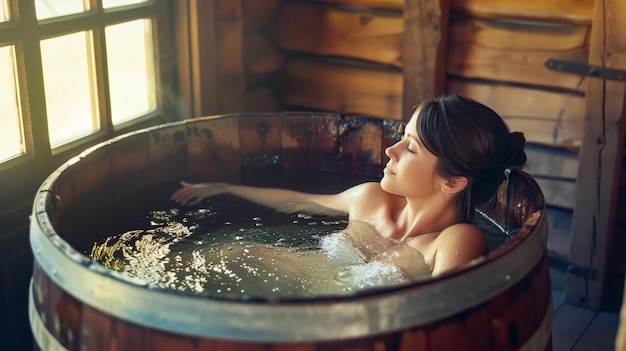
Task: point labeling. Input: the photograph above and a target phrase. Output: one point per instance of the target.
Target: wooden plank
(201, 76)
(555, 171)
(230, 65)
(617, 260)
(213, 148)
(560, 228)
(601, 333)
(259, 140)
(545, 117)
(559, 193)
(568, 324)
(425, 45)
(377, 4)
(342, 89)
(261, 59)
(330, 31)
(360, 146)
(546, 161)
(595, 206)
(185, 67)
(211, 35)
(562, 11)
(168, 155)
(228, 9)
(516, 52)
(257, 13)
(261, 100)
(129, 164)
(620, 339)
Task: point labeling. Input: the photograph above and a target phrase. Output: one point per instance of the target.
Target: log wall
(340, 56)
(348, 56)
(498, 55)
(356, 57)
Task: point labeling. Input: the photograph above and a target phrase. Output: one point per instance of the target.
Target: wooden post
(229, 52)
(195, 37)
(594, 211)
(425, 41)
(210, 62)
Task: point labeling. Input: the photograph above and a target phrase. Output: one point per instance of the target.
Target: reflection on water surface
(247, 250)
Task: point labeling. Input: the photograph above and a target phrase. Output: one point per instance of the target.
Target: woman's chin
(384, 183)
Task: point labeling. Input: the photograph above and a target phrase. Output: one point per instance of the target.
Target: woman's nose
(390, 151)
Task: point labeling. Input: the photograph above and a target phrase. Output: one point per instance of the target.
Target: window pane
(55, 8)
(130, 60)
(11, 140)
(4, 11)
(115, 3)
(68, 86)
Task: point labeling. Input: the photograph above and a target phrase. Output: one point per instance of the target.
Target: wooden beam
(211, 69)
(424, 63)
(516, 52)
(338, 88)
(378, 4)
(595, 197)
(545, 117)
(195, 39)
(553, 11)
(332, 31)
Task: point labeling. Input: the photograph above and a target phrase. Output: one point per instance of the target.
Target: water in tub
(232, 248)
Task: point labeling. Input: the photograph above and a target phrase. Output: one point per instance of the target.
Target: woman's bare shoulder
(367, 189)
(458, 244)
(365, 198)
(462, 235)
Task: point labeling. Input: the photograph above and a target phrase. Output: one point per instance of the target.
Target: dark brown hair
(470, 140)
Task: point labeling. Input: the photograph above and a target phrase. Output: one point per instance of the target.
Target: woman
(452, 156)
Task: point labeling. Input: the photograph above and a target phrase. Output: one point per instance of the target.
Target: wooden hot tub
(500, 302)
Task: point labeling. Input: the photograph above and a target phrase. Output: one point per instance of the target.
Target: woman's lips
(386, 170)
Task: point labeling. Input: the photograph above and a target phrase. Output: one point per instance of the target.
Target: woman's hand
(194, 193)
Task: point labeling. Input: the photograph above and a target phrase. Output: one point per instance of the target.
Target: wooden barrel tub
(500, 302)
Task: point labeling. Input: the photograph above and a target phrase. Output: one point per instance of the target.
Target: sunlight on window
(11, 140)
(55, 8)
(4, 11)
(130, 59)
(69, 87)
(107, 4)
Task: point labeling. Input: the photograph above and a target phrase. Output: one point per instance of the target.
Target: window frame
(21, 176)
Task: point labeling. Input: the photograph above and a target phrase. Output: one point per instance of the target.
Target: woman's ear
(454, 185)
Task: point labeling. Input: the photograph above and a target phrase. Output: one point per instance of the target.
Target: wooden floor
(573, 327)
(580, 329)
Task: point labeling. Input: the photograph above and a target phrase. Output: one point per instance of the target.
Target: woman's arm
(281, 199)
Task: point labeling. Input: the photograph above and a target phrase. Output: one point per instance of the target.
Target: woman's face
(410, 171)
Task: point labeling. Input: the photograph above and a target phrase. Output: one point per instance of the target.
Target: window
(75, 72)
(11, 138)
(4, 12)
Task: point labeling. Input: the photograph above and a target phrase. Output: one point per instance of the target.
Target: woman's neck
(424, 217)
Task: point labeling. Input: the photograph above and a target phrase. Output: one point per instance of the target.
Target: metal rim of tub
(326, 319)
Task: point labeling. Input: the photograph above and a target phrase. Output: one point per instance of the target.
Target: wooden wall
(498, 54)
(348, 56)
(330, 56)
(376, 57)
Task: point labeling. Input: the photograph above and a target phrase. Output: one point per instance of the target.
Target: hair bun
(515, 155)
